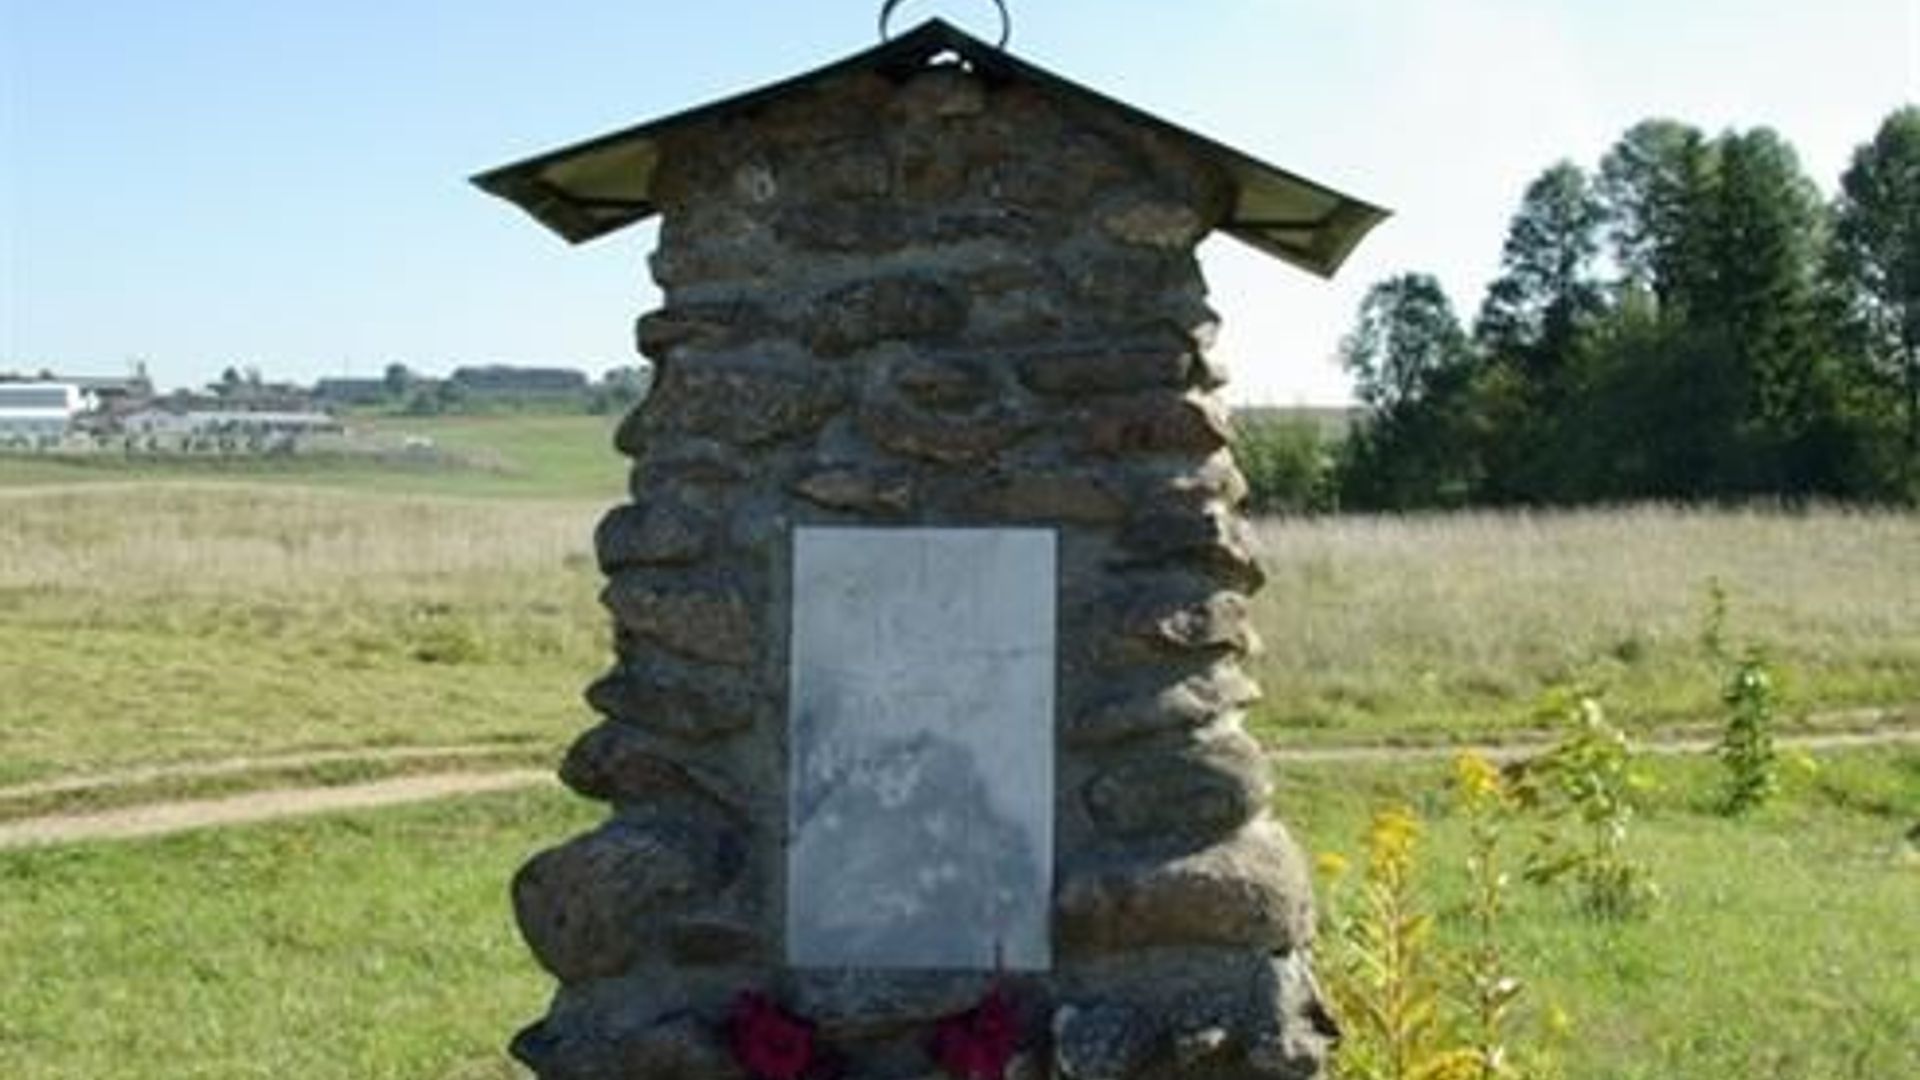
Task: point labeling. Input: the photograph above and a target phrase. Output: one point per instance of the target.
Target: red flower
(978, 1043)
(768, 1042)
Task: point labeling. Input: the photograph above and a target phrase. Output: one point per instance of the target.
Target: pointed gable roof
(604, 184)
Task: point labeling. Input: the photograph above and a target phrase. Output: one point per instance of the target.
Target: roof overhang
(595, 187)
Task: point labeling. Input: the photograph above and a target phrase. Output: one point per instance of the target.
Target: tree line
(1691, 321)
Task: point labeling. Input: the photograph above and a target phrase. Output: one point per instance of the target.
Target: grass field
(144, 622)
(165, 617)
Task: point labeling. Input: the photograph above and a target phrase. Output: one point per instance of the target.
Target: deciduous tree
(1547, 288)
(1876, 261)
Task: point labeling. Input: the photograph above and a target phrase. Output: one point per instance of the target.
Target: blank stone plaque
(920, 805)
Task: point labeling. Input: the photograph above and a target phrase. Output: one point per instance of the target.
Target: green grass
(358, 946)
(145, 623)
(527, 454)
(379, 944)
(1783, 947)
(1431, 628)
(514, 455)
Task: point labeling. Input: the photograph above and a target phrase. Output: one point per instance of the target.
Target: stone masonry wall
(941, 302)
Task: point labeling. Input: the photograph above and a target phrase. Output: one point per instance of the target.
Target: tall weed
(1410, 1005)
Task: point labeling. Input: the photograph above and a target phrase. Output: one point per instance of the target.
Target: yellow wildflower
(1390, 843)
(1478, 778)
(1331, 865)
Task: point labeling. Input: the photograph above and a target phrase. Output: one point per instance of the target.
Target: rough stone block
(1250, 891)
(582, 906)
(937, 94)
(658, 532)
(747, 402)
(866, 313)
(1194, 488)
(846, 169)
(1100, 1042)
(897, 425)
(725, 244)
(1172, 226)
(710, 623)
(694, 706)
(712, 939)
(854, 227)
(1214, 540)
(660, 334)
(881, 492)
(943, 384)
(1073, 496)
(678, 1045)
(1175, 615)
(618, 763)
(1120, 367)
(1156, 423)
(679, 461)
(1196, 793)
(1153, 701)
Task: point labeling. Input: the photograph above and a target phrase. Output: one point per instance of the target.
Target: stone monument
(923, 741)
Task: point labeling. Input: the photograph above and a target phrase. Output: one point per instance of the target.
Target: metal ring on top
(1006, 21)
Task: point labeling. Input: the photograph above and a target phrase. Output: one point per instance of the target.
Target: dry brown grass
(1449, 623)
(161, 622)
(205, 540)
(157, 622)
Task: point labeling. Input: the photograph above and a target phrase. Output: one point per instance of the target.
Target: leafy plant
(1746, 742)
(1746, 745)
(1588, 779)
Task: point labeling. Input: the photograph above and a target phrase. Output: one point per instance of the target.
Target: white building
(232, 423)
(38, 411)
(155, 421)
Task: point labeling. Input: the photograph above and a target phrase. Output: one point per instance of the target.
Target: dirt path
(197, 770)
(1510, 751)
(155, 819)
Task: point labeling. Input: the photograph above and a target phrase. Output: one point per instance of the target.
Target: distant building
(155, 421)
(38, 410)
(343, 391)
(501, 381)
(106, 391)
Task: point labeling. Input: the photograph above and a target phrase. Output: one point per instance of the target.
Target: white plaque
(920, 775)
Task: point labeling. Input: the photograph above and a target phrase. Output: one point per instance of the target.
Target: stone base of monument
(1178, 1013)
(930, 606)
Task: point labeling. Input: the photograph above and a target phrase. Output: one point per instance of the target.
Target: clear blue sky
(209, 182)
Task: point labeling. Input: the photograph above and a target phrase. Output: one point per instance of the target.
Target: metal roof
(603, 184)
